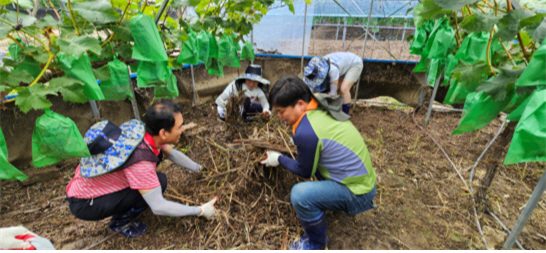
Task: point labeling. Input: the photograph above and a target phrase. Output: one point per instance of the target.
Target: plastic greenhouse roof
(361, 8)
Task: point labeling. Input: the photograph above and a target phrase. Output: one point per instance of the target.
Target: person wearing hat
(330, 148)
(251, 83)
(119, 178)
(322, 74)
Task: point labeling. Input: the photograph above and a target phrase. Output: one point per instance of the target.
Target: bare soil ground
(421, 203)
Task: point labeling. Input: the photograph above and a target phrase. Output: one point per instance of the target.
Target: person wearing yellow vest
(330, 148)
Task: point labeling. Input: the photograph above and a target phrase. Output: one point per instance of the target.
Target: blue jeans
(310, 199)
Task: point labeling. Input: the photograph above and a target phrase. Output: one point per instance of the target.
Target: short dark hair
(160, 115)
(288, 91)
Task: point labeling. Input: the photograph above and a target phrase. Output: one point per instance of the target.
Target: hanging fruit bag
(8, 171)
(189, 53)
(80, 68)
(118, 87)
(153, 74)
(148, 44)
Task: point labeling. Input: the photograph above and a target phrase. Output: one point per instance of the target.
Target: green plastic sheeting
(422, 65)
(56, 138)
(215, 67)
(440, 41)
(189, 53)
(152, 74)
(420, 37)
(234, 57)
(8, 171)
(247, 53)
(435, 70)
(225, 48)
(480, 109)
(515, 115)
(473, 49)
(451, 63)
(535, 73)
(203, 46)
(118, 87)
(213, 46)
(148, 44)
(80, 68)
(28, 63)
(529, 141)
(168, 91)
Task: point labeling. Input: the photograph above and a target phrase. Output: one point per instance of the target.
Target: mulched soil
(421, 202)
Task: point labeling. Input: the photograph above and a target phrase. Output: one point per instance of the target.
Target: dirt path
(420, 201)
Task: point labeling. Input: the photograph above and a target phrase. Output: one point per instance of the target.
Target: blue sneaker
(120, 220)
(315, 237)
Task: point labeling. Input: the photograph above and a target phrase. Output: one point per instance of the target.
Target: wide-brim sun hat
(110, 146)
(316, 71)
(254, 72)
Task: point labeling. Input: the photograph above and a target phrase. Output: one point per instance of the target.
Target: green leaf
(48, 21)
(102, 73)
(499, 85)
(430, 10)
(532, 20)
(125, 50)
(453, 5)
(466, 72)
(195, 23)
(509, 24)
(209, 23)
(99, 11)
(34, 97)
(478, 22)
(12, 17)
(77, 45)
(4, 30)
(27, 4)
(537, 31)
(15, 78)
(38, 54)
(4, 88)
(122, 32)
(70, 88)
(179, 3)
(4, 2)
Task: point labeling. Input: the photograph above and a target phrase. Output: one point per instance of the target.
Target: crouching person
(330, 148)
(251, 83)
(119, 178)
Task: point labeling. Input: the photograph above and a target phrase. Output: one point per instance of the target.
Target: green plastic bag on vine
(422, 65)
(215, 67)
(118, 87)
(247, 53)
(440, 41)
(80, 68)
(204, 47)
(225, 48)
(535, 73)
(189, 53)
(234, 58)
(515, 115)
(451, 63)
(529, 141)
(435, 70)
(236, 45)
(148, 44)
(458, 91)
(213, 46)
(56, 138)
(168, 91)
(474, 47)
(152, 74)
(8, 171)
(480, 109)
(420, 37)
(28, 63)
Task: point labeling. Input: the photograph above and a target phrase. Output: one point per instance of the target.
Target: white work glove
(207, 210)
(20, 238)
(272, 159)
(268, 112)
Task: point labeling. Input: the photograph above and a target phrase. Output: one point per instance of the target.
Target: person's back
(343, 61)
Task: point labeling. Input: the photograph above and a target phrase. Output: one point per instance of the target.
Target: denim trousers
(310, 199)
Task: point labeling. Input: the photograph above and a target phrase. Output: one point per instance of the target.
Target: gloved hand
(207, 210)
(267, 113)
(20, 238)
(272, 159)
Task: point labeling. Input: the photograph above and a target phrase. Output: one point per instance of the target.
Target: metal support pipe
(94, 109)
(133, 102)
(337, 30)
(380, 27)
(404, 32)
(375, 26)
(314, 35)
(363, 50)
(252, 39)
(422, 93)
(161, 10)
(303, 41)
(193, 87)
(527, 211)
(436, 85)
(344, 32)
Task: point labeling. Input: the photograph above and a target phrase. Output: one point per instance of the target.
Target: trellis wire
(363, 50)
